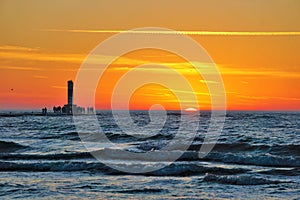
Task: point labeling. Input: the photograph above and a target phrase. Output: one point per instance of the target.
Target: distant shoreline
(37, 113)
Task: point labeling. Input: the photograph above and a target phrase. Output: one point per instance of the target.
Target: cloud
(42, 56)
(268, 98)
(209, 68)
(17, 53)
(58, 87)
(20, 53)
(258, 71)
(209, 82)
(157, 90)
(17, 48)
(21, 68)
(206, 33)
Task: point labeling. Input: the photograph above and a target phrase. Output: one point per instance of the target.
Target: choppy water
(257, 156)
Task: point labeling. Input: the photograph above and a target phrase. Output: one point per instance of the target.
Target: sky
(255, 45)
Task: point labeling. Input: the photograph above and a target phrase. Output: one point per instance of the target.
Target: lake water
(257, 156)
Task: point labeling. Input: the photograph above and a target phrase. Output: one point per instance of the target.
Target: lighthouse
(69, 108)
(70, 92)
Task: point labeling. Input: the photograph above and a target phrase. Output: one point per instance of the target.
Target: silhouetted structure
(90, 110)
(57, 109)
(70, 92)
(70, 107)
(44, 111)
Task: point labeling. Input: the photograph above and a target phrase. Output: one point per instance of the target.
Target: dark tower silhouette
(70, 92)
(70, 108)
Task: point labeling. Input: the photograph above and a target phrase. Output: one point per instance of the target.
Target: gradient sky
(255, 45)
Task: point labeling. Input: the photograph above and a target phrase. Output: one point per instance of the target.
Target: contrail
(213, 33)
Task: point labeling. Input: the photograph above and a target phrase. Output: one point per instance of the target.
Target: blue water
(257, 157)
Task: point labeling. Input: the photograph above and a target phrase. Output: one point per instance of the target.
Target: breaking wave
(239, 180)
(260, 160)
(175, 169)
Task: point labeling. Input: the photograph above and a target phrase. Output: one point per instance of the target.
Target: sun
(190, 109)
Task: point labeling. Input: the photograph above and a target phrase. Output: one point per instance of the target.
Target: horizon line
(204, 110)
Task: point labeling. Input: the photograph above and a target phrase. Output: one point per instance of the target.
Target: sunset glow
(256, 51)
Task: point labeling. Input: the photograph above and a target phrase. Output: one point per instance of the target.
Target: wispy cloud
(208, 82)
(180, 91)
(20, 68)
(268, 98)
(28, 54)
(42, 56)
(17, 54)
(17, 48)
(212, 33)
(58, 87)
(278, 71)
(209, 68)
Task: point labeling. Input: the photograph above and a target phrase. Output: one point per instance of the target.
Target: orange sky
(260, 66)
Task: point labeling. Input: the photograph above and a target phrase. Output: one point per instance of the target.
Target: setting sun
(190, 110)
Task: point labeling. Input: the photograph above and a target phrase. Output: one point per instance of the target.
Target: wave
(6, 147)
(239, 180)
(245, 159)
(239, 153)
(131, 138)
(175, 169)
(163, 156)
(64, 136)
(121, 136)
(250, 116)
(283, 172)
(60, 156)
(187, 169)
(49, 166)
(291, 149)
(111, 136)
(106, 153)
(144, 190)
(259, 160)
